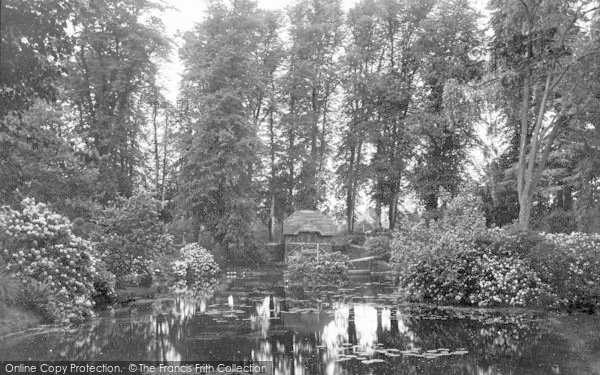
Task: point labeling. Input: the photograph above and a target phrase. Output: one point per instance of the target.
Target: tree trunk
(356, 177)
(350, 190)
(272, 219)
(164, 166)
(378, 225)
(393, 211)
(524, 209)
(272, 151)
(525, 204)
(156, 154)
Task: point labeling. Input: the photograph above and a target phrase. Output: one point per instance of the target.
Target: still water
(358, 329)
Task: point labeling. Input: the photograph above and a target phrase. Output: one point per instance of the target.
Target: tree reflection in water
(319, 331)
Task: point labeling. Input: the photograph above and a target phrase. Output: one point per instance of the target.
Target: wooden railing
(295, 249)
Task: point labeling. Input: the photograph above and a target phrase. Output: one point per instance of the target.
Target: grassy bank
(17, 318)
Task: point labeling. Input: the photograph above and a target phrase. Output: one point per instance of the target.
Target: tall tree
(361, 61)
(221, 146)
(540, 51)
(448, 108)
(161, 118)
(315, 40)
(34, 50)
(267, 113)
(118, 44)
(394, 94)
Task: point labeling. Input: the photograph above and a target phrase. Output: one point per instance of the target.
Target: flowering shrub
(40, 246)
(473, 277)
(413, 242)
(196, 268)
(451, 263)
(456, 260)
(571, 263)
(330, 268)
(130, 235)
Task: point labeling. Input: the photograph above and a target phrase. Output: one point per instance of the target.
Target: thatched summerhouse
(308, 230)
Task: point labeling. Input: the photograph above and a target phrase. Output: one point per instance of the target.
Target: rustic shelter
(308, 232)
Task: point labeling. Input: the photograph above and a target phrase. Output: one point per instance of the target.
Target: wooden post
(317, 252)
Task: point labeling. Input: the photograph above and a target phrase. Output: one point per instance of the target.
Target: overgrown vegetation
(56, 268)
(330, 268)
(195, 268)
(129, 235)
(469, 264)
(379, 246)
(389, 93)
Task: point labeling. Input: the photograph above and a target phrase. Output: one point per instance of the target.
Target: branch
(547, 148)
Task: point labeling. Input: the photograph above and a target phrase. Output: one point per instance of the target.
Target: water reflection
(360, 330)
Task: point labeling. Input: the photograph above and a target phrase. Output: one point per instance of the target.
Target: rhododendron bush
(330, 268)
(456, 260)
(195, 268)
(38, 244)
(475, 277)
(455, 232)
(571, 263)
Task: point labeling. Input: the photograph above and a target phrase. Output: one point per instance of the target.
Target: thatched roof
(309, 221)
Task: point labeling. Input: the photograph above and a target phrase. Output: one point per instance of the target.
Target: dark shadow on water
(359, 329)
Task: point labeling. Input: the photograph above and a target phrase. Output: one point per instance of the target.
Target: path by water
(359, 329)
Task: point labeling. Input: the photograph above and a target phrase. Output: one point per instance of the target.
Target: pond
(358, 329)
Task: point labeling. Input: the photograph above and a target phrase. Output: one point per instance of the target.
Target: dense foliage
(386, 94)
(41, 251)
(472, 265)
(195, 268)
(221, 151)
(454, 232)
(130, 235)
(474, 277)
(571, 265)
(330, 268)
(379, 245)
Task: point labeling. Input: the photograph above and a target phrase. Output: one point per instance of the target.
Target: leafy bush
(473, 277)
(146, 281)
(41, 298)
(568, 263)
(560, 221)
(195, 268)
(331, 268)
(571, 264)
(379, 245)
(457, 260)
(503, 243)
(104, 286)
(130, 235)
(43, 248)
(456, 231)
(9, 288)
